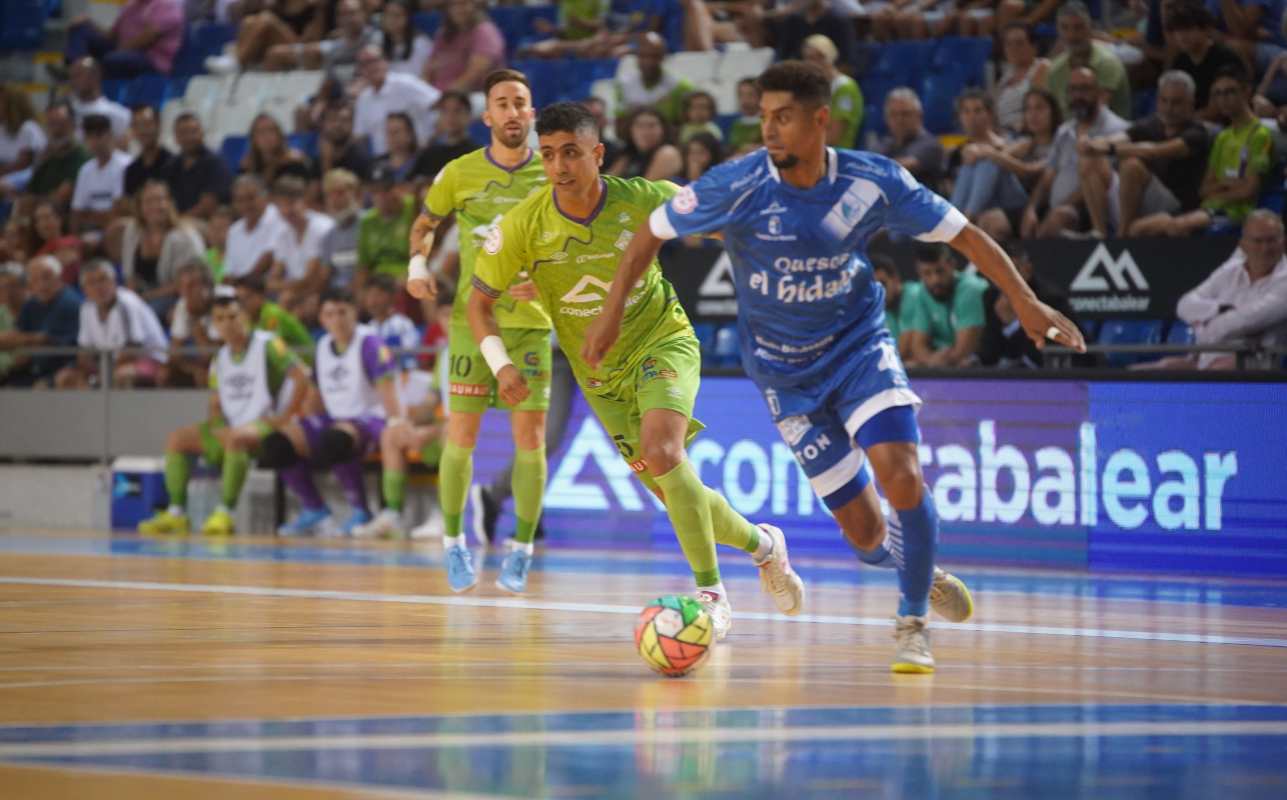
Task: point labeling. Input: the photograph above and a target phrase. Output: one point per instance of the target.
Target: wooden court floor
(264, 668)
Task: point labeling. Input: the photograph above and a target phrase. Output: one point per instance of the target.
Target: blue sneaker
(513, 572)
(460, 569)
(307, 522)
(360, 516)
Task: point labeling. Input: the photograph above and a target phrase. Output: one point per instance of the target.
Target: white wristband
(494, 353)
(418, 269)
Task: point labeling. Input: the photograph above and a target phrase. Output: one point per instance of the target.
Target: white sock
(717, 589)
(454, 541)
(223, 508)
(764, 549)
(176, 511)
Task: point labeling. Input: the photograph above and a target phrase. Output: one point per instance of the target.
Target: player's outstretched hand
(513, 389)
(1041, 322)
(600, 336)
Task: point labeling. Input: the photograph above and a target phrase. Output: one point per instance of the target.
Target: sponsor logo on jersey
(547, 236)
(623, 218)
(850, 209)
(494, 241)
(531, 359)
(623, 241)
(581, 259)
(590, 289)
(775, 232)
(774, 208)
(794, 428)
(685, 202)
(470, 389)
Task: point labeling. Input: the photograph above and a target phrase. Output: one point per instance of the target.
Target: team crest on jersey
(623, 241)
(623, 218)
(494, 241)
(794, 428)
(531, 359)
(685, 202)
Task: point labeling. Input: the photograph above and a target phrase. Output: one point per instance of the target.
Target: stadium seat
(705, 332)
(544, 77)
(965, 57)
(1179, 333)
(1144, 102)
(906, 61)
(479, 133)
(1129, 331)
(306, 143)
(938, 97)
(699, 67)
(725, 94)
(232, 150)
(114, 90)
(427, 22)
(145, 90)
(738, 64)
(24, 24)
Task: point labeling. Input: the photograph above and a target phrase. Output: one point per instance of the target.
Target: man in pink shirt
(466, 48)
(143, 39)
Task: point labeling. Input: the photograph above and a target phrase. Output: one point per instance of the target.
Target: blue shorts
(827, 423)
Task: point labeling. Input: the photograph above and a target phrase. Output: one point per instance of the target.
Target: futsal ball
(674, 635)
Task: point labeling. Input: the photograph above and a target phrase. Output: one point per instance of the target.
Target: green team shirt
(847, 106)
(894, 316)
(573, 263)
(1239, 152)
(588, 10)
(280, 360)
(744, 131)
(275, 319)
(384, 244)
(920, 311)
(480, 191)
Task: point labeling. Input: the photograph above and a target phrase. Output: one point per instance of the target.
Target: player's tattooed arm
(420, 283)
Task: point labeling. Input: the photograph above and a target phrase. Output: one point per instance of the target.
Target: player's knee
(863, 529)
(902, 484)
(336, 446)
(663, 456)
(277, 452)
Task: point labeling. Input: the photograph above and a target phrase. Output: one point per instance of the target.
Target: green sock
(394, 482)
(690, 514)
(528, 484)
(731, 528)
(431, 453)
(177, 469)
(236, 463)
(455, 471)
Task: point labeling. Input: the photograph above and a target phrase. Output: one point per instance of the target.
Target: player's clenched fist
(511, 386)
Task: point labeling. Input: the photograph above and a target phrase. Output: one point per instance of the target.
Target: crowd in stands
(1163, 122)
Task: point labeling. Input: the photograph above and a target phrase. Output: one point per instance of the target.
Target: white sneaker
(777, 579)
(328, 529)
(912, 654)
(950, 597)
(387, 523)
(222, 65)
(432, 528)
(721, 613)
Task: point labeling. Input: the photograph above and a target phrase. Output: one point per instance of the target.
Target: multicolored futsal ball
(674, 635)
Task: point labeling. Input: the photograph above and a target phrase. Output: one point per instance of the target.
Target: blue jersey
(805, 292)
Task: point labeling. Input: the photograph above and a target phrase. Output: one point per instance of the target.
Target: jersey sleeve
(503, 254)
(377, 359)
(440, 200)
(917, 211)
(701, 207)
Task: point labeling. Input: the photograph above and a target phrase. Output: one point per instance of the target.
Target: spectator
(144, 38)
(100, 180)
(942, 317)
(1021, 71)
(384, 231)
(153, 160)
(1060, 190)
(114, 318)
(466, 49)
(699, 116)
(846, 98)
(197, 177)
(912, 19)
(217, 240)
(908, 142)
(649, 152)
(267, 25)
(980, 184)
(1026, 158)
(1245, 298)
(50, 317)
(386, 93)
(816, 17)
(256, 233)
(52, 239)
(87, 98)
(396, 329)
(191, 327)
(155, 243)
(451, 137)
(1237, 165)
(580, 23)
(1160, 159)
(886, 273)
(352, 33)
(653, 86)
(400, 136)
(21, 137)
(1076, 38)
(701, 152)
(339, 256)
(18, 242)
(1192, 31)
(269, 155)
(336, 147)
(55, 171)
(12, 295)
(744, 134)
(405, 48)
(265, 315)
(607, 135)
(1026, 12)
(298, 275)
(1005, 343)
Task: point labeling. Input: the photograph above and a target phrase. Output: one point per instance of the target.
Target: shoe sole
(908, 668)
(965, 592)
(464, 589)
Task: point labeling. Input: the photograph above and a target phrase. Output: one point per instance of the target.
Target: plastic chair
(232, 150)
(1180, 333)
(1129, 331)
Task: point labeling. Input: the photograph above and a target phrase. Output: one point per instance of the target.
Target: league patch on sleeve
(494, 241)
(685, 202)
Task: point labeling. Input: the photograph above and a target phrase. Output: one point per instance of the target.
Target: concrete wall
(92, 424)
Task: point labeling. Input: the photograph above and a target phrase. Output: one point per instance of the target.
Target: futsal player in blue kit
(795, 218)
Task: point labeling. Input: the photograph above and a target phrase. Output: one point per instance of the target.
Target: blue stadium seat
(1129, 331)
(232, 150)
(306, 143)
(176, 87)
(705, 337)
(1179, 333)
(115, 90)
(938, 96)
(875, 87)
(1144, 102)
(427, 22)
(907, 62)
(962, 56)
(726, 351)
(1274, 196)
(23, 26)
(544, 76)
(479, 133)
(145, 90)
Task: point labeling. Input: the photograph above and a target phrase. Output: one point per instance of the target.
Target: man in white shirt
(388, 92)
(257, 233)
(1245, 298)
(86, 78)
(396, 329)
(101, 180)
(298, 276)
(112, 318)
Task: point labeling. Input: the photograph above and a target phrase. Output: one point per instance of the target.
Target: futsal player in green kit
(568, 237)
(480, 187)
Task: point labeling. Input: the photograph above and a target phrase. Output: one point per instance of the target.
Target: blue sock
(913, 549)
(882, 556)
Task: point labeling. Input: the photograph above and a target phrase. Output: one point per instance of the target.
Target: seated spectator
(190, 326)
(384, 231)
(100, 182)
(1021, 71)
(54, 175)
(979, 184)
(701, 152)
(400, 137)
(579, 22)
(1026, 158)
(198, 178)
(1080, 50)
(886, 273)
(451, 137)
(217, 240)
(86, 79)
(352, 33)
(386, 93)
(1005, 343)
(1236, 168)
(155, 243)
(337, 148)
(152, 160)
(1059, 191)
(708, 24)
(653, 86)
(648, 152)
(913, 19)
(50, 317)
(269, 156)
(265, 25)
(17, 242)
(405, 48)
(942, 316)
(339, 256)
(21, 137)
(846, 98)
(298, 275)
(1160, 159)
(114, 318)
(1245, 298)
(1192, 30)
(744, 134)
(265, 315)
(1026, 12)
(816, 17)
(908, 142)
(699, 116)
(52, 239)
(466, 48)
(379, 300)
(144, 38)
(256, 234)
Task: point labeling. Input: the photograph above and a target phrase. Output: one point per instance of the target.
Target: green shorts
(473, 386)
(667, 376)
(212, 448)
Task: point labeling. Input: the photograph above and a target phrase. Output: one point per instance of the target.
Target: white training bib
(243, 387)
(346, 392)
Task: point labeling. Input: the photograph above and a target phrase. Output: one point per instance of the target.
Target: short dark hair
(252, 283)
(456, 95)
(806, 82)
(1186, 16)
(291, 187)
(184, 116)
(95, 124)
(883, 263)
(751, 81)
(336, 295)
(384, 282)
(501, 76)
(931, 252)
(1017, 26)
(1233, 72)
(566, 117)
(979, 95)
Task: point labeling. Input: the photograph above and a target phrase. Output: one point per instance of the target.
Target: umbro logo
(774, 208)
